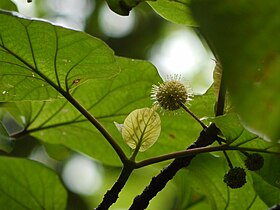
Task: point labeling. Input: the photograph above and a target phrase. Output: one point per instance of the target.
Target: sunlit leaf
(244, 37)
(141, 129)
(176, 11)
(26, 184)
(38, 58)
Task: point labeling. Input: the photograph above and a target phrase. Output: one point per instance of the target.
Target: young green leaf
(141, 129)
(26, 184)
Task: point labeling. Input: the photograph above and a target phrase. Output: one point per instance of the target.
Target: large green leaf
(243, 34)
(26, 184)
(111, 100)
(176, 11)
(205, 175)
(38, 58)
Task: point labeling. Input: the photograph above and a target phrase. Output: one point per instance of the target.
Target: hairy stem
(112, 195)
(207, 137)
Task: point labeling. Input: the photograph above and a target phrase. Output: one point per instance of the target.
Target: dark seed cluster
(254, 162)
(171, 94)
(235, 177)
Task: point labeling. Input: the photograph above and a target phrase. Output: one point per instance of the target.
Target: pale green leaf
(38, 58)
(26, 184)
(176, 11)
(141, 129)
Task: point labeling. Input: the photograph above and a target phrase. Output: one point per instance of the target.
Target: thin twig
(99, 127)
(195, 151)
(193, 115)
(225, 154)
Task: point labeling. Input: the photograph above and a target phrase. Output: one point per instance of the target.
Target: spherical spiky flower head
(254, 162)
(170, 94)
(235, 177)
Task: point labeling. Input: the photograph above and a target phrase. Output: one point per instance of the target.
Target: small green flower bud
(170, 94)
